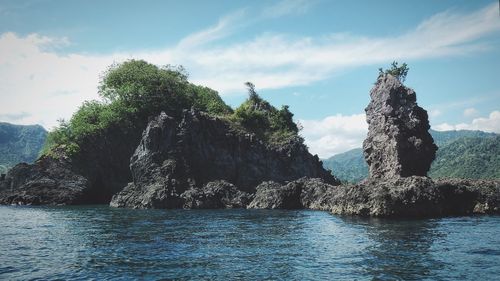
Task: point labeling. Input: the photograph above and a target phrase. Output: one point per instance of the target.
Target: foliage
(349, 167)
(132, 92)
(19, 144)
(135, 90)
(145, 88)
(208, 100)
(397, 71)
(468, 157)
(261, 118)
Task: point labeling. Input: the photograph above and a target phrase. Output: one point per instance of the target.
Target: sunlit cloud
(488, 124)
(334, 134)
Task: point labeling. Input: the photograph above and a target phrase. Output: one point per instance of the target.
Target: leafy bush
(397, 71)
(135, 90)
(261, 118)
(208, 100)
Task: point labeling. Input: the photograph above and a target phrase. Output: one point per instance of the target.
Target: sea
(103, 243)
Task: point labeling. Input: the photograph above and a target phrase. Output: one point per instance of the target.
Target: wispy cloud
(487, 124)
(13, 117)
(31, 70)
(224, 27)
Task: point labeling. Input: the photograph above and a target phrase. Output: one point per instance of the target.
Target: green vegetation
(349, 167)
(135, 90)
(19, 144)
(468, 157)
(397, 71)
(264, 120)
(461, 154)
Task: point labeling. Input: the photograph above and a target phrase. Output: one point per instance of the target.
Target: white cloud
(435, 112)
(488, 124)
(470, 112)
(38, 80)
(334, 134)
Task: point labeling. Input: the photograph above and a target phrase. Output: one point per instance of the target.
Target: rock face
(216, 195)
(47, 182)
(99, 170)
(398, 142)
(403, 197)
(400, 197)
(175, 156)
(304, 193)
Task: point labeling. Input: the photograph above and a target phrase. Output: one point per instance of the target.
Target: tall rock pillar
(398, 143)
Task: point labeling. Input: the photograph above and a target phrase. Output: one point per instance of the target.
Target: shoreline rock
(175, 156)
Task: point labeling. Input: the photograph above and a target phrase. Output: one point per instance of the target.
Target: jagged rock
(175, 156)
(272, 195)
(48, 181)
(299, 194)
(216, 195)
(487, 193)
(402, 197)
(398, 197)
(398, 143)
(93, 175)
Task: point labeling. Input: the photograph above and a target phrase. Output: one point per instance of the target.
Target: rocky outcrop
(216, 195)
(304, 193)
(175, 156)
(49, 181)
(398, 143)
(91, 176)
(399, 197)
(402, 197)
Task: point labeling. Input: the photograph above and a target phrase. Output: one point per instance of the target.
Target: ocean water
(102, 243)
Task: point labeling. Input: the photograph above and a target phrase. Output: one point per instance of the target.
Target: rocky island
(177, 145)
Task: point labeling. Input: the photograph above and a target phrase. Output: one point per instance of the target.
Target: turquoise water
(96, 242)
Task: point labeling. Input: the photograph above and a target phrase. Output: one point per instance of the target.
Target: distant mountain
(442, 138)
(349, 166)
(461, 154)
(19, 143)
(468, 157)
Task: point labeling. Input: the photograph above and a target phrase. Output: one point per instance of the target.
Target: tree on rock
(397, 71)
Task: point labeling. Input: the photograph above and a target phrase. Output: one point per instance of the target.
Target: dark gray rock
(402, 197)
(272, 195)
(398, 197)
(398, 143)
(98, 170)
(216, 195)
(304, 193)
(176, 155)
(48, 181)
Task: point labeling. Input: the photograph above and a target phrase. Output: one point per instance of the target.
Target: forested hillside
(19, 144)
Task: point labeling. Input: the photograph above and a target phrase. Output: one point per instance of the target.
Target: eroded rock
(398, 143)
(175, 156)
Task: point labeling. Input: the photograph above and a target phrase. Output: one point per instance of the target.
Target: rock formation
(48, 181)
(175, 156)
(398, 143)
(399, 197)
(99, 170)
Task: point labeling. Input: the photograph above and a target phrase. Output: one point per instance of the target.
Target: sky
(320, 57)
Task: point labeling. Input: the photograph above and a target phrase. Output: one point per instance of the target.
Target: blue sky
(318, 56)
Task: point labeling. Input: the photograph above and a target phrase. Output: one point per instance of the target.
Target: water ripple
(101, 243)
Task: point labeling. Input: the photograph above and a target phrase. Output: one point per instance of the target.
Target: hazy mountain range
(19, 143)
